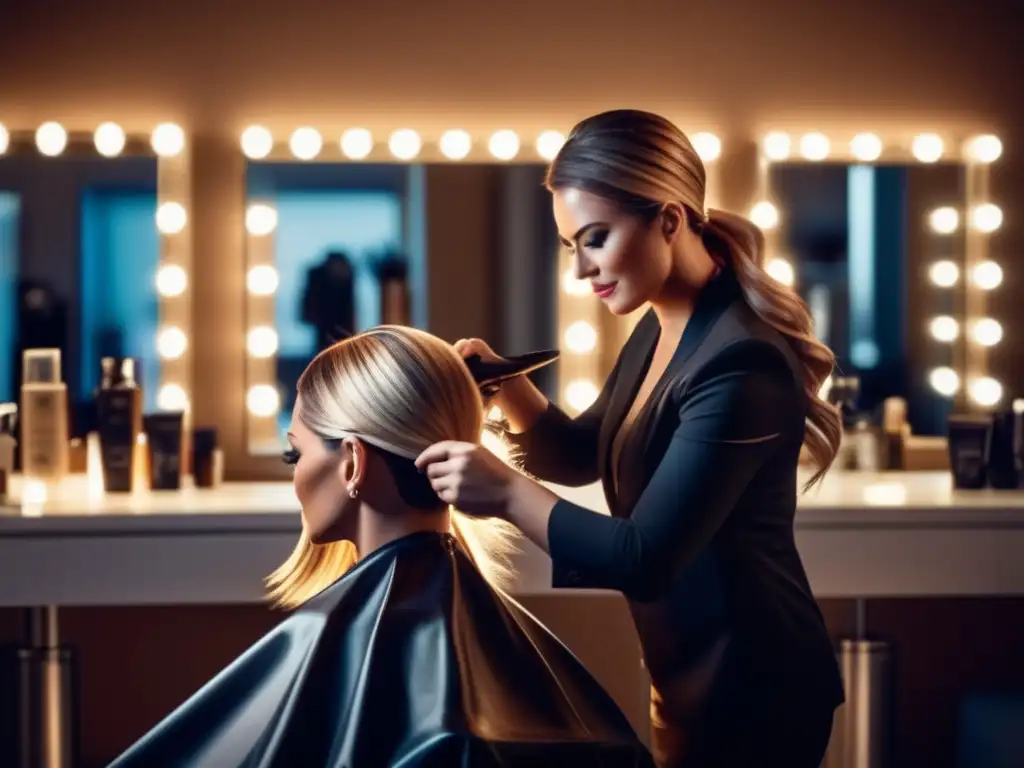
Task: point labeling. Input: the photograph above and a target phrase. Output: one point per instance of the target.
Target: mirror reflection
(335, 248)
(860, 243)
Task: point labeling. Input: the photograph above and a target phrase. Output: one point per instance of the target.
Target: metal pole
(46, 694)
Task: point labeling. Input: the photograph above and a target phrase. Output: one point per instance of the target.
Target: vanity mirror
(399, 230)
(94, 256)
(887, 240)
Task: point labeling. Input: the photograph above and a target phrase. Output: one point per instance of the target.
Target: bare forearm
(521, 402)
(529, 509)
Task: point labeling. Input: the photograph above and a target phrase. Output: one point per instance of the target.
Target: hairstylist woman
(696, 437)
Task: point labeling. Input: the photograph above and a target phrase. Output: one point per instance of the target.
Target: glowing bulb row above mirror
(110, 139)
(869, 147)
(405, 144)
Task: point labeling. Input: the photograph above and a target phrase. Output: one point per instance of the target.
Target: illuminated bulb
(866, 147)
(549, 144)
(356, 143)
(987, 275)
(574, 286)
(262, 280)
(172, 397)
(455, 145)
(707, 146)
(986, 217)
(5, 138)
(777, 146)
(109, 139)
(168, 140)
(927, 148)
(305, 143)
(944, 221)
(171, 280)
(261, 341)
(263, 401)
(260, 219)
(987, 332)
(985, 391)
(405, 144)
(944, 274)
(944, 380)
(504, 144)
(944, 328)
(815, 146)
(984, 149)
(51, 139)
(765, 215)
(171, 218)
(580, 394)
(257, 142)
(580, 337)
(781, 270)
(171, 343)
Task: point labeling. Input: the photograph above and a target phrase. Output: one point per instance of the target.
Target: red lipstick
(603, 291)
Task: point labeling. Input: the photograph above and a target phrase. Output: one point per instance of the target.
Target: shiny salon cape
(409, 659)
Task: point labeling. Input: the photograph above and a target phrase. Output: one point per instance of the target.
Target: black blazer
(700, 537)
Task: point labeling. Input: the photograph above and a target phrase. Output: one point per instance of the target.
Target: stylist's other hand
(469, 477)
(470, 347)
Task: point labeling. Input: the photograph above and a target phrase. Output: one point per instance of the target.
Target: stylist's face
(626, 260)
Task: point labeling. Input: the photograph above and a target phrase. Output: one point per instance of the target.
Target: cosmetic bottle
(392, 274)
(44, 417)
(1004, 460)
(8, 417)
(970, 443)
(119, 423)
(207, 458)
(165, 438)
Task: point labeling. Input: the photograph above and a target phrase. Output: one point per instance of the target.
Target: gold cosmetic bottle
(44, 417)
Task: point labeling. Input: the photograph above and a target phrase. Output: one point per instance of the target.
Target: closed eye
(290, 457)
(596, 239)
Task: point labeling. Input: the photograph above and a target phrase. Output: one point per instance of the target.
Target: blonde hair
(640, 161)
(398, 389)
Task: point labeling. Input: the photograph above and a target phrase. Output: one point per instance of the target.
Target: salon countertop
(860, 535)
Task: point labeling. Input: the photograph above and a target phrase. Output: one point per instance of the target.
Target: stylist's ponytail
(741, 245)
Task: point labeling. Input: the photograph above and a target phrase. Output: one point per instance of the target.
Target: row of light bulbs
(984, 217)
(579, 338)
(868, 147)
(51, 139)
(261, 341)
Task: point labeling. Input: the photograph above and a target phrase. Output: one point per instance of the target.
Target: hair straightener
(490, 374)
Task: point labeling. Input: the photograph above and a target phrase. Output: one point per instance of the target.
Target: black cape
(409, 659)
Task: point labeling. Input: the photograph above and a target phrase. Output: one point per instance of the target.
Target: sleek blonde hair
(398, 389)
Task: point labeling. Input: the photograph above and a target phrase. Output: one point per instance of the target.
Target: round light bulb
(781, 270)
(405, 144)
(777, 146)
(574, 286)
(356, 143)
(260, 219)
(987, 332)
(815, 146)
(944, 274)
(168, 140)
(257, 142)
(305, 143)
(109, 139)
(944, 220)
(504, 144)
(455, 144)
(549, 143)
(987, 275)
(765, 215)
(581, 337)
(927, 148)
(985, 391)
(263, 401)
(171, 343)
(944, 380)
(580, 394)
(261, 342)
(944, 328)
(171, 218)
(171, 280)
(866, 147)
(172, 397)
(262, 280)
(707, 146)
(986, 217)
(984, 149)
(51, 139)
(5, 138)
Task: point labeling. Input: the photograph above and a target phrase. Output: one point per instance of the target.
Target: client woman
(400, 652)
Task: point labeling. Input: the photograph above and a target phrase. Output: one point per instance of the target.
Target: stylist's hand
(469, 477)
(470, 347)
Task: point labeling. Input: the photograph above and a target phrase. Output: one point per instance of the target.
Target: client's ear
(352, 467)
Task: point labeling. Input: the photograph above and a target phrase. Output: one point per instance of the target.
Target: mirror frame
(966, 360)
(170, 146)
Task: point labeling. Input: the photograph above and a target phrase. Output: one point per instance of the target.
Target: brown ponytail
(741, 244)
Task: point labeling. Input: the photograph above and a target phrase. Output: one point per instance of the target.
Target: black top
(700, 537)
(410, 659)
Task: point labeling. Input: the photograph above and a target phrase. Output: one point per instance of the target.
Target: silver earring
(353, 492)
